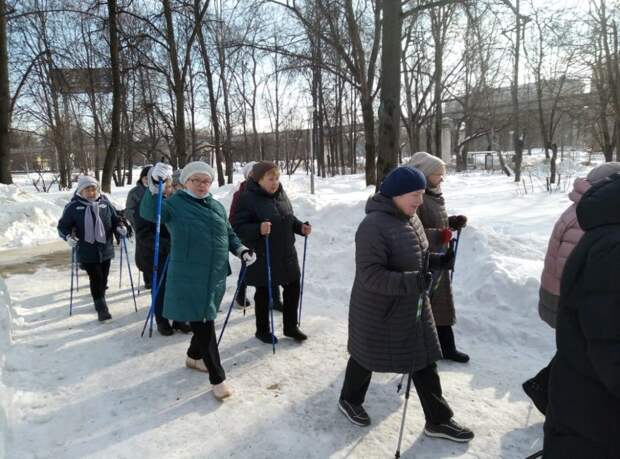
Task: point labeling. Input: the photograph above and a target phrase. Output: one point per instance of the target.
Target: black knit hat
(145, 171)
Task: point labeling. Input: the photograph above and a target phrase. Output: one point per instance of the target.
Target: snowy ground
(76, 388)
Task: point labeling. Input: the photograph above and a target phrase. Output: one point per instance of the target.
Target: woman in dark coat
(434, 217)
(145, 248)
(391, 326)
(88, 224)
(583, 414)
(264, 210)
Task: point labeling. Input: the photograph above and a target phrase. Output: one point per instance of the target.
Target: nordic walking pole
(124, 247)
(155, 293)
(77, 277)
(71, 294)
(535, 455)
(239, 282)
(268, 258)
(120, 270)
(303, 275)
(420, 305)
(456, 249)
(160, 197)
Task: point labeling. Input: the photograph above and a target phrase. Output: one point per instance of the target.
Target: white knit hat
(427, 164)
(196, 167)
(603, 171)
(85, 181)
(247, 169)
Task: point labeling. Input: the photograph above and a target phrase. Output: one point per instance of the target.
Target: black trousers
(159, 301)
(98, 277)
(427, 385)
(290, 293)
(241, 295)
(204, 346)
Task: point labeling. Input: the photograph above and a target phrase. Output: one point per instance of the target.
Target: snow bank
(28, 218)
(5, 342)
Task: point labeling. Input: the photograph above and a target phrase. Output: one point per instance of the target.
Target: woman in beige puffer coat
(434, 217)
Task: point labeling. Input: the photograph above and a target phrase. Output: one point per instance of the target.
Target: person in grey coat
(391, 327)
(132, 208)
(134, 197)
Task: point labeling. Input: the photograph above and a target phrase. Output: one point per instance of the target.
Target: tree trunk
(369, 139)
(112, 152)
(517, 138)
(5, 101)
(389, 112)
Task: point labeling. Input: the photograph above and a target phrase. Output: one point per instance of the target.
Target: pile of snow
(5, 342)
(28, 218)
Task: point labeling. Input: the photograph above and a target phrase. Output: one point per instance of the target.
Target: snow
(82, 389)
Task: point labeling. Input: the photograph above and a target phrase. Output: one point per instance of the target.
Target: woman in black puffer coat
(583, 415)
(264, 210)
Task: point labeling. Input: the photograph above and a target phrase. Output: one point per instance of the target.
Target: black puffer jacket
(384, 332)
(145, 243)
(72, 221)
(254, 207)
(583, 417)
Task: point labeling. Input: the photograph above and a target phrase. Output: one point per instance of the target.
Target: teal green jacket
(201, 238)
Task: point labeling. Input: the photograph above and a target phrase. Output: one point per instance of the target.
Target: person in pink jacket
(565, 236)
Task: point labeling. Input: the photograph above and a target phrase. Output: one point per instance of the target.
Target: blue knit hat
(402, 180)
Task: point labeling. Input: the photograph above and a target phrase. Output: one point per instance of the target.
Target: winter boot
(221, 390)
(354, 413)
(183, 327)
(164, 328)
(450, 430)
(241, 303)
(448, 347)
(101, 307)
(290, 323)
(265, 337)
(536, 389)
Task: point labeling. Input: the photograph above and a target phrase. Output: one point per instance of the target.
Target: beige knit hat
(603, 171)
(428, 164)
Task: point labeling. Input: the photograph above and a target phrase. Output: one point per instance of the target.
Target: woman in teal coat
(201, 238)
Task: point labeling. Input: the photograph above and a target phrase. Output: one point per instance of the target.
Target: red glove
(446, 236)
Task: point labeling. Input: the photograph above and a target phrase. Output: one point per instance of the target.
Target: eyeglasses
(197, 182)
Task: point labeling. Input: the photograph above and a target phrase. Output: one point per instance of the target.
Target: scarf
(93, 229)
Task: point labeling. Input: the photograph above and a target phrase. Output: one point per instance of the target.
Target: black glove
(457, 222)
(125, 222)
(442, 262)
(424, 280)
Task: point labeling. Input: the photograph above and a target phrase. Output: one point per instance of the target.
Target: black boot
(290, 323)
(183, 327)
(448, 348)
(266, 337)
(263, 325)
(537, 389)
(164, 328)
(102, 310)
